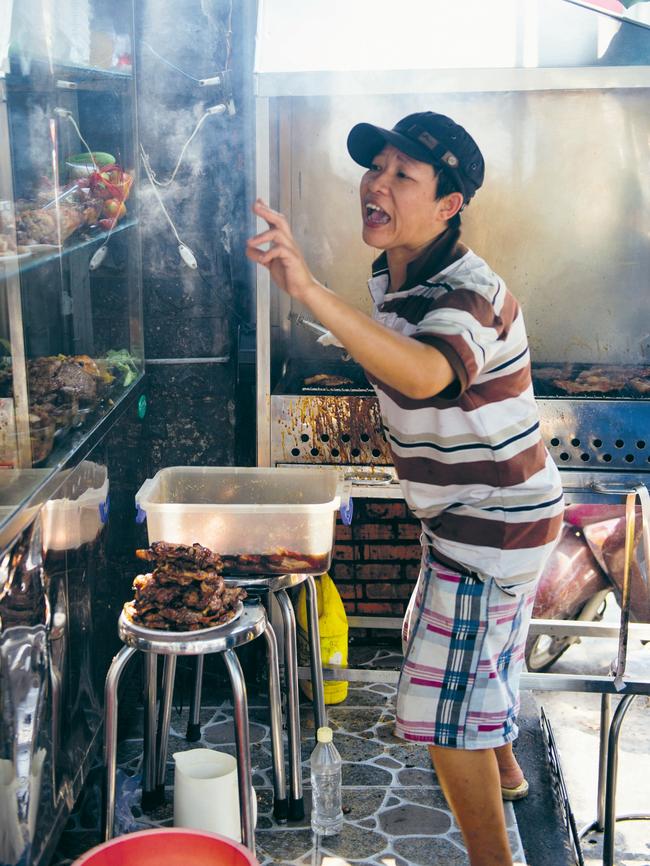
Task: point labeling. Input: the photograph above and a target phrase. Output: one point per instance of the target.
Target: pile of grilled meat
(184, 592)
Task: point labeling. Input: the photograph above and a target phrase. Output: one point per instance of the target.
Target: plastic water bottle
(326, 812)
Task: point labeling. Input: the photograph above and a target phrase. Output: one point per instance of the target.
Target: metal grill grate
(598, 434)
(328, 429)
(561, 793)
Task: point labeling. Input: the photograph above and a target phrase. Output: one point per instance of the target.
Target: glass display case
(70, 295)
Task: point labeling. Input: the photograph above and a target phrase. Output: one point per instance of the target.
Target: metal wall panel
(564, 214)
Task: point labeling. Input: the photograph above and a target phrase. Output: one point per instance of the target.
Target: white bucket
(206, 793)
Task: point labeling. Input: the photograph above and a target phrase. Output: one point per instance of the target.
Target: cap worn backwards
(428, 137)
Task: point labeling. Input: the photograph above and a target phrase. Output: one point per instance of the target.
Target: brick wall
(377, 559)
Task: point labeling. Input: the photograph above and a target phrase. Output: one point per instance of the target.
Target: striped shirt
(471, 461)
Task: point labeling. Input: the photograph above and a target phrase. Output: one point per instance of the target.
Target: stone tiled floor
(395, 813)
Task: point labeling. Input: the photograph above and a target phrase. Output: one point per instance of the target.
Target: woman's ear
(451, 205)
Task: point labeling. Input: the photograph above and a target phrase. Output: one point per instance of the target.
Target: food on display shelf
(122, 364)
(7, 230)
(42, 430)
(184, 592)
(41, 226)
(92, 200)
(83, 164)
(63, 391)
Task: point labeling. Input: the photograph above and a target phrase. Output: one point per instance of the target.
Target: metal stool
(222, 639)
(278, 586)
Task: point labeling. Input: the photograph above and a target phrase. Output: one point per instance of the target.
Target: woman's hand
(283, 258)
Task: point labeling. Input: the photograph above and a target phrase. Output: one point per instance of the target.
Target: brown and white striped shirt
(471, 461)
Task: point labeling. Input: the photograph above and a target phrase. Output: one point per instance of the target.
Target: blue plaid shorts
(464, 652)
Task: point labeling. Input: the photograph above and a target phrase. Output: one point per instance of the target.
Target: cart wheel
(543, 650)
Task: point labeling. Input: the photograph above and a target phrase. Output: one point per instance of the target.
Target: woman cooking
(447, 354)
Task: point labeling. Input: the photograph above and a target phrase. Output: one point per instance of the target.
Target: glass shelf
(68, 77)
(45, 253)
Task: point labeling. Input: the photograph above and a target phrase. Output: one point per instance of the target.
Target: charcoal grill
(334, 425)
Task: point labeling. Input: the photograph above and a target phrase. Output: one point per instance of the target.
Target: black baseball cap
(428, 137)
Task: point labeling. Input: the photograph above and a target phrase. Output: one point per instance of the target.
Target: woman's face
(398, 202)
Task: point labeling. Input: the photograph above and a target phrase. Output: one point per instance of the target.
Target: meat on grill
(328, 380)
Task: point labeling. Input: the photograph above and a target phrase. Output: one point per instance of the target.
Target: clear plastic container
(325, 763)
(77, 513)
(263, 520)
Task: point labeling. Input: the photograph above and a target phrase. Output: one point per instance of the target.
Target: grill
(341, 424)
(336, 424)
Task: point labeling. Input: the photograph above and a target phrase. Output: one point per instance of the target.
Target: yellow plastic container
(333, 626)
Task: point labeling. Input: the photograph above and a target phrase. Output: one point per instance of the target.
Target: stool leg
(296, 802)
(242, 740)
(605, 716)
(318, 692)
(149, 795)
(164, 721)
(612, 770)
(194, 724)
(280, 804)
(110, 736)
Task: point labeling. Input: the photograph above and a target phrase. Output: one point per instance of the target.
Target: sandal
(517, 793)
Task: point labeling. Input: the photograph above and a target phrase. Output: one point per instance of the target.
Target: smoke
(181, 44)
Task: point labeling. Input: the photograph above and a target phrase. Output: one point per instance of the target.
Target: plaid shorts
(464, 653)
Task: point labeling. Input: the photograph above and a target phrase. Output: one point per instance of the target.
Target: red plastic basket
(171, 846)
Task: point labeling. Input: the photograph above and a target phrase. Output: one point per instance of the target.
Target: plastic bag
(127, 795)
(333, 626)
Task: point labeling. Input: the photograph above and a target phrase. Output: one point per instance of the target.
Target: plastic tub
(262, 520)
(171, 847)
(77, 513)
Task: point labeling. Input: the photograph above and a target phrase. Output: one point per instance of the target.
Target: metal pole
(612, 770)
(318, 692)
(194, 722)
(149, 798)
(110, 735)
(605, 717)
(242, 739)
(275, 710)
(296, 802)
(164, 720)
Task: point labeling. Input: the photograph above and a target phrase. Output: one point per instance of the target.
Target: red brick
(403, 552)
(343, 533)
(350, 606)
(349, 590)
(346, 552)
(409, 531)
(386, 509)
(342, 571)
(379, 608)
(374, 532)
(378, 571)
(388, 590)
(411, 571)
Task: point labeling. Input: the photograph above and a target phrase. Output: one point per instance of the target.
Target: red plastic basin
(171, 846)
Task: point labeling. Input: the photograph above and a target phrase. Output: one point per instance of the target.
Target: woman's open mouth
(374, 216)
